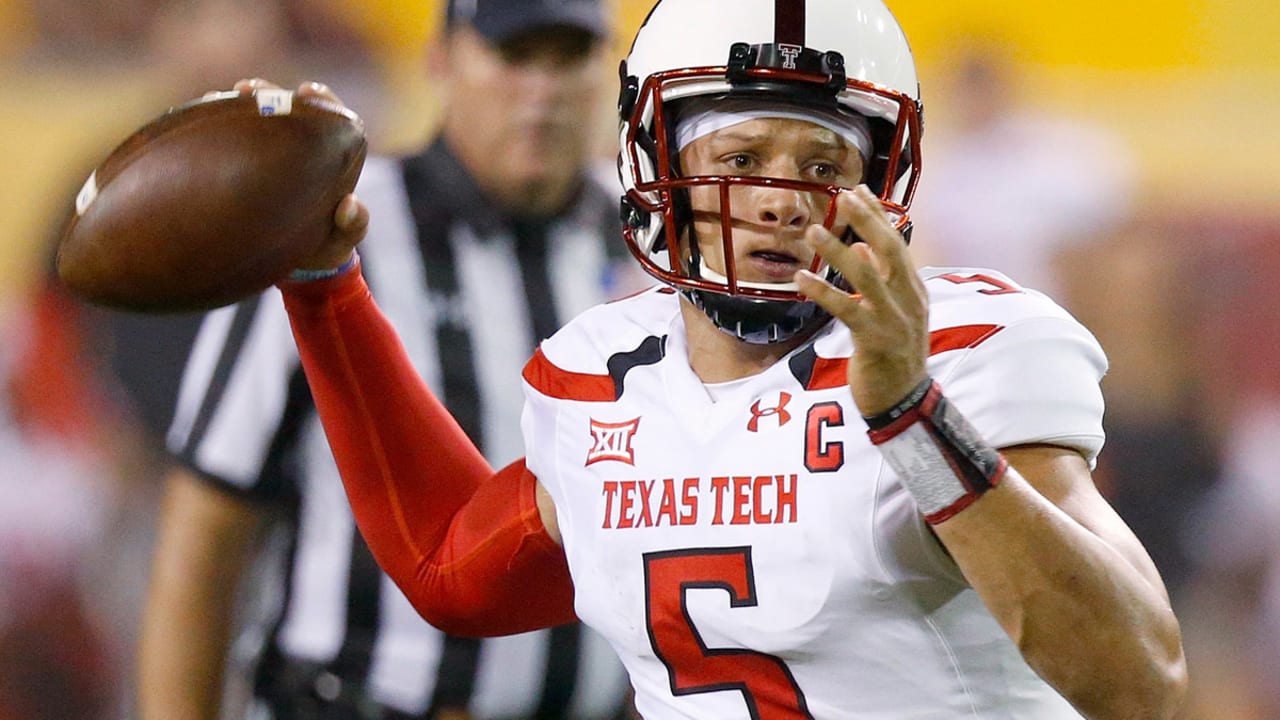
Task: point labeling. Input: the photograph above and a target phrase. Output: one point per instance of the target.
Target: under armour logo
(779, 410)
(612, 441)
(789, 55)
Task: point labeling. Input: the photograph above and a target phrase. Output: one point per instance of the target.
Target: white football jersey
(748, 552)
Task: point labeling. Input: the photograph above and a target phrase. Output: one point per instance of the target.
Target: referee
(479, 246)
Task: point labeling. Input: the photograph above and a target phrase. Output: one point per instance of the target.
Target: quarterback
(798, 478)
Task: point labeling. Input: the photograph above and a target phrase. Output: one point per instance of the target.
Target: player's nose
(782, 208)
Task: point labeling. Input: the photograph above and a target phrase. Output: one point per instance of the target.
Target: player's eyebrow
(819, 137)
(829, 139)
(739, 137)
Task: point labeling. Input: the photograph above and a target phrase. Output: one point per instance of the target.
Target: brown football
(212, 202)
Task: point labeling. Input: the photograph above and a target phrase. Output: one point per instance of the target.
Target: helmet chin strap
(757, 321)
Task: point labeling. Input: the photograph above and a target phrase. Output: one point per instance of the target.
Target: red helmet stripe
(788, 22)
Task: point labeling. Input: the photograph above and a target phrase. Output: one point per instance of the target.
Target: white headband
(720, 114)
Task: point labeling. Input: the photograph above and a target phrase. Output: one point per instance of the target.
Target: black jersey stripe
(651, 350)
(460, 392)
(279, 476)
(531, 252)
(561, 673)
(237, 334)
(802, 363)
(554, 381)
(456, 678)
(364, 597)
(283, 480)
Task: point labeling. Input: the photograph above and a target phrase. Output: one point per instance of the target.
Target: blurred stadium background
(1174, 282)
(1193, 85)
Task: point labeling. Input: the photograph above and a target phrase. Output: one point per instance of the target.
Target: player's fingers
(251, 84)
(352, 217)
(350, 221)
(872, 223)
(855, 262)
(869, 221)
(840, 304)
(319, 89)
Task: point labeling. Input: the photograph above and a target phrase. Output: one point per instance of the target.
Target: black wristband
(915, 397)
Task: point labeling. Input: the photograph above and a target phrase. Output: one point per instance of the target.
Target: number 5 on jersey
(766, 683)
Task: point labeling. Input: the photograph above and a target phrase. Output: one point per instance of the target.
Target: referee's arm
(205, 540)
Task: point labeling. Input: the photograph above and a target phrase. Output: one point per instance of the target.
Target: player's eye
(825, 170)
(739, 162)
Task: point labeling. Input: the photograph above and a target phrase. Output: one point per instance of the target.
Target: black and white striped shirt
(470, 294)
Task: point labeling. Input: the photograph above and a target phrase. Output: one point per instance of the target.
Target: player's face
(767, 222)
(519, 113)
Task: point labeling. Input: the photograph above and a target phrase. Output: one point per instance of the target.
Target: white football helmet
(845, 55)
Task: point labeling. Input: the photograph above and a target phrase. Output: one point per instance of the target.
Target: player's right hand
(889, 314)
(351, 219)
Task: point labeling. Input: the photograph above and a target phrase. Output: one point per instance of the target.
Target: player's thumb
(350, 222)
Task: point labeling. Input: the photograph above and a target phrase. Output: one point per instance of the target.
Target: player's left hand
(889, 312)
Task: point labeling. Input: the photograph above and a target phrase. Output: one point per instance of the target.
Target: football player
(799, 477)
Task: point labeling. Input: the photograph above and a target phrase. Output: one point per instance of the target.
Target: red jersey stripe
(960, 337)
(562, 384)
(830, 372)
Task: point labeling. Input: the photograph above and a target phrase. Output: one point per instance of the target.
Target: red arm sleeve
(466, 546)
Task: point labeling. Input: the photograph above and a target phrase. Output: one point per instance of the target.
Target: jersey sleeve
(538, 423)
(465, 545)
(241, 378)
(1034, 381)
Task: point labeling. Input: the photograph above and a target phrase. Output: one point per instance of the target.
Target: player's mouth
(771, 266)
